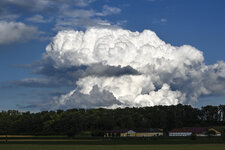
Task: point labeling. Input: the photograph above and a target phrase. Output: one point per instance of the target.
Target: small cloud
(38, 19)
(121, 22)
(34, 82)
(84, 18)
(81, 23)
(83, 3)
(159, 21)
(163, 20)
(108, 10)
(8, 16)
(11, 32)
(27, 106)
(78, 13)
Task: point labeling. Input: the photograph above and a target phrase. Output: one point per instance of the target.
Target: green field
(112, 147)
(158, 143)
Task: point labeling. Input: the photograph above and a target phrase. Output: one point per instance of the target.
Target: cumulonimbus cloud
(162, 74)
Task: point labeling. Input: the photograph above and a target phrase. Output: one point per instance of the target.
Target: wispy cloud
(16, 32)
(107, 10)
(58, 14)
(82, 18)
(160, 21)
(38, 19)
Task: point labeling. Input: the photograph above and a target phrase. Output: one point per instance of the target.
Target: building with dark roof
(120, 133)
(199, 131)
(135, 133)
(149, 132)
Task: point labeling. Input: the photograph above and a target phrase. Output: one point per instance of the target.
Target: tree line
(73, 121)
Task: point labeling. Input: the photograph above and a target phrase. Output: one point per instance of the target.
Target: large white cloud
(168, 74)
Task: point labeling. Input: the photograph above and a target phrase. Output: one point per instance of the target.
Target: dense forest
(74, 121)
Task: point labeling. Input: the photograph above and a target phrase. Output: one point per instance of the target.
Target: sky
(60, 54)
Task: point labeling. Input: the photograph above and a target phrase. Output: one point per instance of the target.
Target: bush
(223, 134)
(193, 136)
(97, 133)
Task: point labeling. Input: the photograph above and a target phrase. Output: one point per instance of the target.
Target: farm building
(214, 132)
(201, 131)
(135, 133)
(120, 133)
(149, 132)
(129, 133)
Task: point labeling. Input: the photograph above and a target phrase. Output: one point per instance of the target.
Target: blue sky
(26, 28)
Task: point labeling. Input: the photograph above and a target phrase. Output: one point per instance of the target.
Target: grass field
(63, 143)
(111, 141)
(112, 147)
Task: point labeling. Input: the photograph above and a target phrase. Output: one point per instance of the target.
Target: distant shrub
(223, 134)
(98, 133)
(71, 134)
(193, 136)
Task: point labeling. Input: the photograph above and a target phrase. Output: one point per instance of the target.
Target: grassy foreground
(112, 147)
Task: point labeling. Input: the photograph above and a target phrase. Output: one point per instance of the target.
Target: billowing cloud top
(117, 47)
(165, 74)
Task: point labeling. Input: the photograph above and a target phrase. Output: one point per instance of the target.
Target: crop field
(112, 147)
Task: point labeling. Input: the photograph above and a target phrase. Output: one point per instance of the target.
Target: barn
(135, 133)
(199, 131)
(149, 132)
